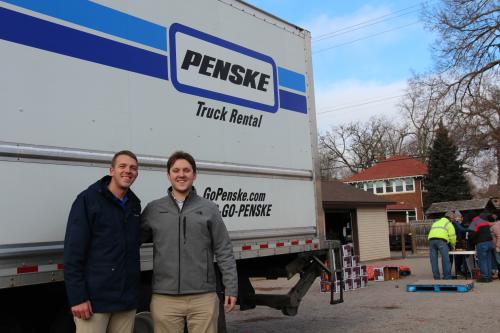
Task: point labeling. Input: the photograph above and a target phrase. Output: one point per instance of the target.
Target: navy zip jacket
(101, 250)
(460, 231)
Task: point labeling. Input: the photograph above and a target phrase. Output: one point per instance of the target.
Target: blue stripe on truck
(291, 79)
(98, 17)
(293, 102)
(32, 31)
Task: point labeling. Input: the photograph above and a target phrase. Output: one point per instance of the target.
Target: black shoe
(483, 280)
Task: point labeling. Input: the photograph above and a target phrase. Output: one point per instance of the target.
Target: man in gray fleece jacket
(187, 232)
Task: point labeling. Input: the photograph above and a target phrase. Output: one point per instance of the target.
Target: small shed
(466, 207)
(357, 216)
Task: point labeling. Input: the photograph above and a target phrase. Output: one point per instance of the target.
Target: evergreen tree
(445, 180)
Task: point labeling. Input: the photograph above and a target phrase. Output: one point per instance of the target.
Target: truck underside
(46, 307)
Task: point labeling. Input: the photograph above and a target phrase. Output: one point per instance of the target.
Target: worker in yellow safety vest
(441, 235)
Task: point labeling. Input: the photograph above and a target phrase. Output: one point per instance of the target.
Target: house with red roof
(399, 179)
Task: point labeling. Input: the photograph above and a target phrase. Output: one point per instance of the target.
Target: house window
(369, 187)
(409, 184)
(398, 185)
(422, 184)
(389, 186)
(411, 215)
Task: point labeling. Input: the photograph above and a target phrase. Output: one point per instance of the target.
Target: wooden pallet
(461, 286)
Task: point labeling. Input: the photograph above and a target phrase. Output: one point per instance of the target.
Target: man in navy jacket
(101, 251)
(480, 236)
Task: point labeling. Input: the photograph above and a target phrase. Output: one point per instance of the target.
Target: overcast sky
(363, 53)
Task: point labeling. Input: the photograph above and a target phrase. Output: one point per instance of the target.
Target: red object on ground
(404, 270)
(369, 269)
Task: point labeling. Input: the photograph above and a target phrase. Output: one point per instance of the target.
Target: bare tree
(480, 115)
(327, 164)
(471, 125)
(463, 91)
(422, 107)
(468, 45)
(356, 146)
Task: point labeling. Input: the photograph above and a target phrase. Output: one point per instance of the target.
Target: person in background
(460, 229)
(480, 236)
(441, 234)
(495, 235)
(461, 234)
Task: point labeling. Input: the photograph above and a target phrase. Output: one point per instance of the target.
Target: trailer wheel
(143, 323)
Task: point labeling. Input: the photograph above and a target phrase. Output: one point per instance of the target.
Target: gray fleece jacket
(185, 242)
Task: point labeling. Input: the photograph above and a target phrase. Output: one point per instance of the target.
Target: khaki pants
(116, 322)
(200, 310)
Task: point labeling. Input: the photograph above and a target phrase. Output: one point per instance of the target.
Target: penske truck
(221, 79)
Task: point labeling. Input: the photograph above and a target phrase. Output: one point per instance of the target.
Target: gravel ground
(381, 307)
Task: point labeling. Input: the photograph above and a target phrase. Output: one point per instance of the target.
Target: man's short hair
(123, 152)
(180, 155)
(449, 214)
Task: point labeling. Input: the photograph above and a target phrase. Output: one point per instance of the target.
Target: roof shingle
(337, 192)
(393, 167)
(442, 207)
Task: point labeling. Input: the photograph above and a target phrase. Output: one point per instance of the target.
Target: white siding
(373, 233)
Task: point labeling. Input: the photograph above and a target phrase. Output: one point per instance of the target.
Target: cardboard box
(325, 286)
(347, 273)
(356, 271)
(347, 262)
(347, 284)
(364, 281)
(354, 261)
(391, 273)
(364, 270)
(378, 273)
(356, 283)
(347, 250)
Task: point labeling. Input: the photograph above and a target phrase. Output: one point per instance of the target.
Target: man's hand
(82, 311)
(229, 303)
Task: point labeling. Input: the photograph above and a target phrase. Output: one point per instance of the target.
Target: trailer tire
(143, 323)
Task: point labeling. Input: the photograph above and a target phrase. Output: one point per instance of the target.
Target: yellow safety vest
(444, 229)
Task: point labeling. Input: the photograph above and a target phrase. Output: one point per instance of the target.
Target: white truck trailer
(220, 79)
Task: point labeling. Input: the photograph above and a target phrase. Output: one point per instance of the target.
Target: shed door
(373, 234)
